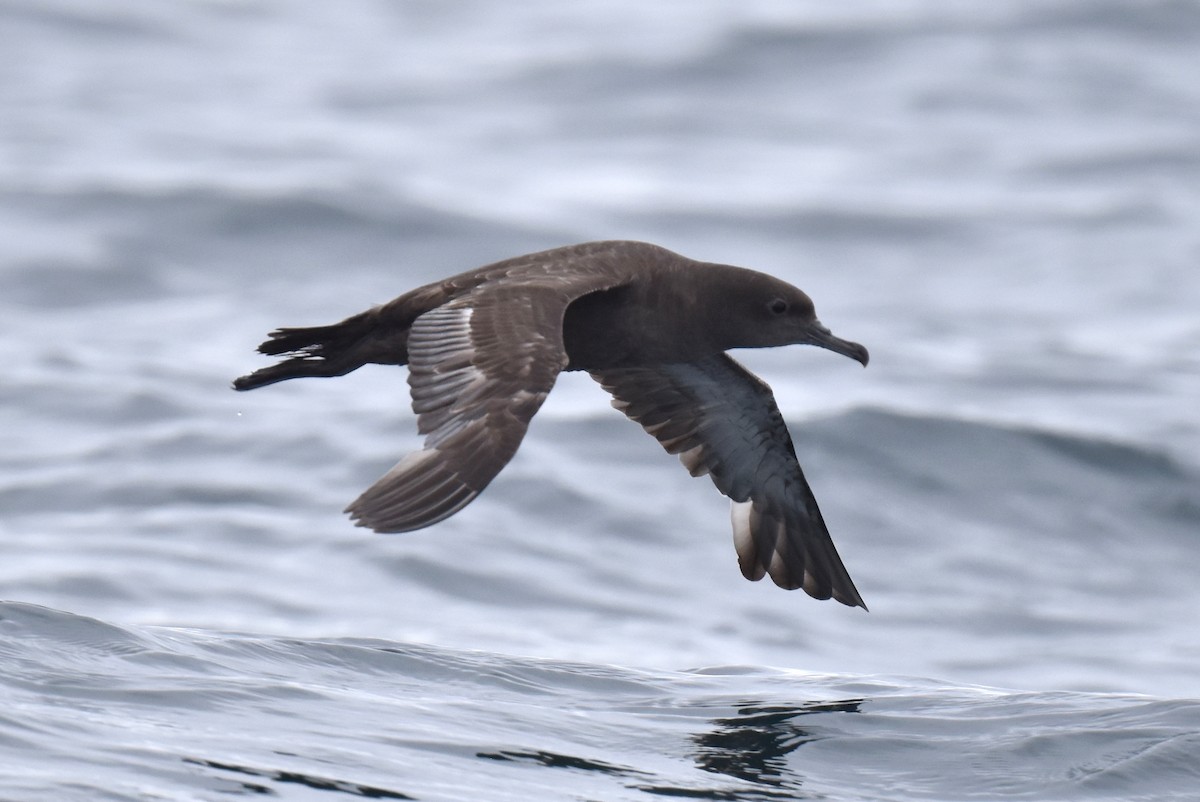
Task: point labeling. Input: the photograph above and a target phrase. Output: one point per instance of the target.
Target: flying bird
(483, 349)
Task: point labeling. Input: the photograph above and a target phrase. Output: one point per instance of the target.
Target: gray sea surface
(999, 200)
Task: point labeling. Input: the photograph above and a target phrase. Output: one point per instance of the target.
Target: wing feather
(480, 366)
(722, 421)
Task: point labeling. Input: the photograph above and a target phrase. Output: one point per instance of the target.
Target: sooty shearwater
(483, 349)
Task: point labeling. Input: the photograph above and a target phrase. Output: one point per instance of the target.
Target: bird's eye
(778, 306)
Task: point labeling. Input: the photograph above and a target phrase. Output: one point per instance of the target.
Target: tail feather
(328, 350)
(294, 340)
(294, 368)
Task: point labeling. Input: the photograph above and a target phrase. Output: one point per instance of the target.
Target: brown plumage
(484, 348)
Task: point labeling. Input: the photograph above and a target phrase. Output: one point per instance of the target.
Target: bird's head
(765, 312)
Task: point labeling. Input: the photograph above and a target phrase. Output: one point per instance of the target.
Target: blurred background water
(999, 200)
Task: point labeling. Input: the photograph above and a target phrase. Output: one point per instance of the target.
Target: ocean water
(999, 201)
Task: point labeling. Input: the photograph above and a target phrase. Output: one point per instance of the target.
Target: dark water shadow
(277, 776)
(554, 760)
(752, 748)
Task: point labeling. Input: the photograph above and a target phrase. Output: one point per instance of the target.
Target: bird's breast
(616, 328)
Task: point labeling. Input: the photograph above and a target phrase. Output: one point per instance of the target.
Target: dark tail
(327, 350)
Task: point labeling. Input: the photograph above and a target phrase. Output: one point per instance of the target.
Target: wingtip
(848, 595)
(360, 515)
(418, 492)
(856, 602)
